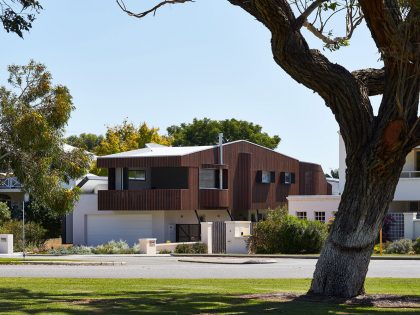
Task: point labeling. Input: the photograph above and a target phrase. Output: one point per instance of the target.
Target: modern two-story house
(403, 209)
(165, 192)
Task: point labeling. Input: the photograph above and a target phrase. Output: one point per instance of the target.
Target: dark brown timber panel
(214, 198)
(148, 199)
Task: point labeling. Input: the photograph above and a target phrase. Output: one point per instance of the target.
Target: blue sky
(205, 59)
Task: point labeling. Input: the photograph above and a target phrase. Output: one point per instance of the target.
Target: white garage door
(129, 227)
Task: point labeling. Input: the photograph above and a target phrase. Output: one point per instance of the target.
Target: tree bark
(344, 260)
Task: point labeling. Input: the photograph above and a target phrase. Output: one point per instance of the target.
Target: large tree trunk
(344, 260)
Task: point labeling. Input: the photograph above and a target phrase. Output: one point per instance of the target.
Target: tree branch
(342, 92)
(304, 16)
(372, 79)
(153, 10)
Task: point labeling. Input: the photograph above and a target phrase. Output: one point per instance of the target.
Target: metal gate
(188, 232)
(219, 237)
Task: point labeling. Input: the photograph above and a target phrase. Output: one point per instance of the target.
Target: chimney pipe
(221, 160)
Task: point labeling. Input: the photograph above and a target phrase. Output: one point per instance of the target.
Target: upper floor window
(320, 216)
(137, 175)
(266, 177)
(287, 178)
(208, 178)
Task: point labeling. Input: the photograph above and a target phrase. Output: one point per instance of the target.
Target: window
(287, 178)
(266, 177)
(208, 178)
(301, 215)
(137, 175)
(320, 216)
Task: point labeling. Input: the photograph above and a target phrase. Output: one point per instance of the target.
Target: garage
(101, 229)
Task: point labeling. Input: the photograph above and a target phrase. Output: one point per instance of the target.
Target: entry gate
(188, 232)
(219, 237)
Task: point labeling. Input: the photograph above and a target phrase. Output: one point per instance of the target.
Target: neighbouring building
(402, 210)
(11, 190)
(165, 192)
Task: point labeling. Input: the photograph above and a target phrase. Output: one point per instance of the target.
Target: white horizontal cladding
(314, 203)
(408, 189)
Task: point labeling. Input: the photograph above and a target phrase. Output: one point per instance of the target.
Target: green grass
(177, 296)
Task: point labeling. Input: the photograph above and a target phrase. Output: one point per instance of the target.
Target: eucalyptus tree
(33, 115)
(376, 144)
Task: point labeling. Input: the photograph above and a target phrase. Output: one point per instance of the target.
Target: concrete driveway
(170, 267)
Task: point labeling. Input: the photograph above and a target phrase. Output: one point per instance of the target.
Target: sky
(204, 59)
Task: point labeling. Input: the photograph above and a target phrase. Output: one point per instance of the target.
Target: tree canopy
(86, 141)
(33, 115)
(17, 16)
(205, 132)
(126, 137)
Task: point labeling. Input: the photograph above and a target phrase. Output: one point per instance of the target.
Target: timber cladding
(243, 164)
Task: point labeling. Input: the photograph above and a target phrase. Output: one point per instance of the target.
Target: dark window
(287, 178)
(266, 177)
(137, 175)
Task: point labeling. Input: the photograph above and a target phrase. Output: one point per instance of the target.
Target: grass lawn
(177, 296)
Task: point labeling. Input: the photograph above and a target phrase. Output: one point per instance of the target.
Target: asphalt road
(170, 267)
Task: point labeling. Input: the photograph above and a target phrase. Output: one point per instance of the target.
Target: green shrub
(113, 247)
(34, 234)
(4, 213)
(403, 246)
(196, 248)
(288, 235)
(71, 250)
(416, 246)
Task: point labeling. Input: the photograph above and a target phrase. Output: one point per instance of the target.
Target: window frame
(140, 179)
(318, 215)
(300, 216)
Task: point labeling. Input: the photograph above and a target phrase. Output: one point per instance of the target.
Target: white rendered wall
(312, 204)
(342, 164)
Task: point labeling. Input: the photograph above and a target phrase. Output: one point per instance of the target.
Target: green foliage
(287, 234)
(113, 247)
(34, 233)
(416, 246)
(17, 16)
(196, 248)
(33, 115)
(5, 214)
(126, 137)
(86, 141)
(71, 250)
(49, 219)
(205, 132)
(403, 246)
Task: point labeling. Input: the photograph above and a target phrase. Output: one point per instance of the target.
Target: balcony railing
(214, 198)
(148, 199)
(10, 183)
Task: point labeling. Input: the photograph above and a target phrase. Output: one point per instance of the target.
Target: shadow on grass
(173, 302)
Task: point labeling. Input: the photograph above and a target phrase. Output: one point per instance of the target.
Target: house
(165, 192)
(403, 209)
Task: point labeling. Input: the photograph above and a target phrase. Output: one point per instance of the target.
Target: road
(170, 267)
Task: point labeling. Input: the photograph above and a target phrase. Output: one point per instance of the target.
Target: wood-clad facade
(243, 187)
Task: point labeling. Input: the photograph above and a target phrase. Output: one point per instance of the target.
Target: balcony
(214, 198)
(147, 199)
(10, 183)
(408, 186)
